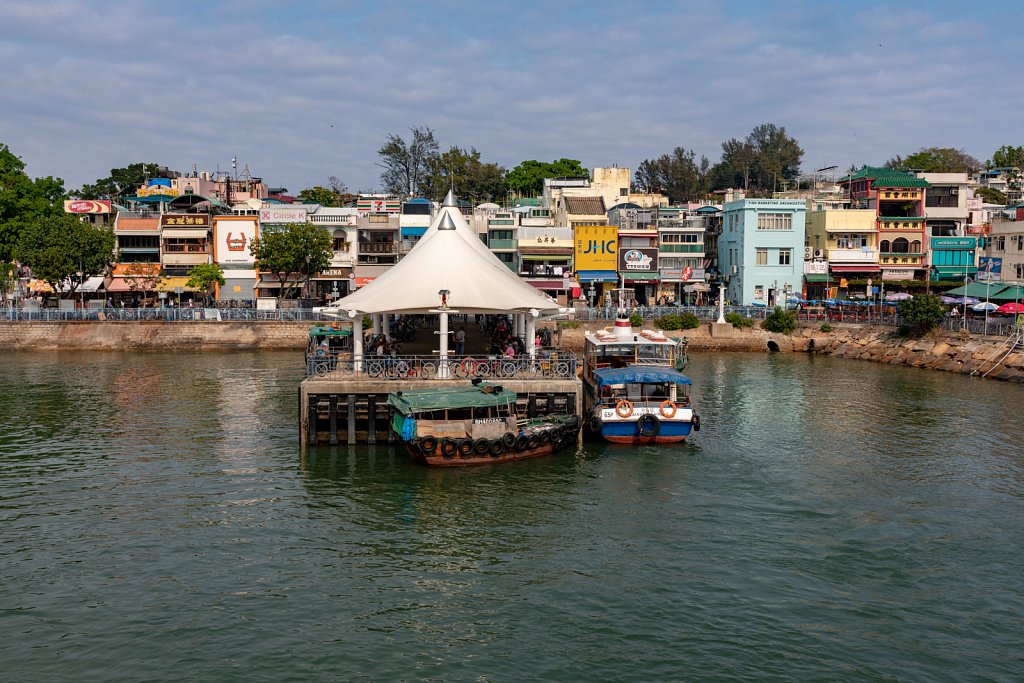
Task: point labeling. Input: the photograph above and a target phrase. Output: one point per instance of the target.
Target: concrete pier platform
(333, 411)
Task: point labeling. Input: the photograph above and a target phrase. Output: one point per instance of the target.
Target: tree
(991, 195)
(121, 181)
(23, 200)
(320, 195)
(406, 164)
(337, 187)
(292, 253)
(143, 278)
(463, 171)
(776, 156)
(921, 314)
(57, 248)
(678, 175)
(204, 276)
(527, 179)
(936, 160)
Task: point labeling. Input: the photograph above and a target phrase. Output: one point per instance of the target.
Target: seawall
(946, 351)
(153, 336)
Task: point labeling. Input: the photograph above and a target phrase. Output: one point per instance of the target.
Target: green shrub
(569, 324)
(920, 314)
(826, 328)
(636, 320)
(780, 321)
(738, 320)
(678, 321)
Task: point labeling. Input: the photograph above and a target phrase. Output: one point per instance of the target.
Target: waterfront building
(232, 236)
(840, 245)
(761, 249)
(338, 279)
(545, 260)
(638, 263)
(595, 258)
(1009, 180)
(502, 238)
(953, 240)
(682, 250)
(897, 198)
(1006, 246)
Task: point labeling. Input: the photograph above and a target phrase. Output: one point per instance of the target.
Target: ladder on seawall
(1011, 343)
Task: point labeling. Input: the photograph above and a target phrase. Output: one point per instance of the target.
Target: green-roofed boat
(327, 344)
(474, 425)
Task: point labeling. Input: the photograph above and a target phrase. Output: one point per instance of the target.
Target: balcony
(853, 255)
(496, 244)
(378, 248)
(681, 248)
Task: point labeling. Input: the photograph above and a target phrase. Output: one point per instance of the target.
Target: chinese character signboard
(192, 220)
(597, 247)
(231, 238)
(638, 260)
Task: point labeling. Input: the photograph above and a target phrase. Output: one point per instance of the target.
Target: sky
(300, 91)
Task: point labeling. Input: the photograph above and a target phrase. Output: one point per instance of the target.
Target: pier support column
(385, 324)
(442, 360)
(357, 343)
(376, 324)
(531, 332)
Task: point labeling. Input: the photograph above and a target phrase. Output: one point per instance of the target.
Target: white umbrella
(984, 306)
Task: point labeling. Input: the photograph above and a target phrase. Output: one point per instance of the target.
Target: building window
(774, 221)
(340, 244)
(900, 246)
(1020, 270)
(762, 257)
(501, 234)
(676, 238)
(505, 256)
(758, 292)
(1000, 244)
(885, 247)
(785, 257)
(915, 247)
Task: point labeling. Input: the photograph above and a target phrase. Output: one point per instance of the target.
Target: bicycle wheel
(428, 370)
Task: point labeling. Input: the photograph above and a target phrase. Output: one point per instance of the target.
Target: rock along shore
(949, 352)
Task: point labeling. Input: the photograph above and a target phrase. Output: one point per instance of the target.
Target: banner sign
(990, 264)
(87, 205)
(231, 238)
(638, 260)
(597, 247)
(194, 220)
(283, 214)
(890, 274)
(954, 242)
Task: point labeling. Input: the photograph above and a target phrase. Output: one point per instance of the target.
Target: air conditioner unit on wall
(818, 253)
(808, 252)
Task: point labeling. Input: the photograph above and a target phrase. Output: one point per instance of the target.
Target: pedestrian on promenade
(460, 341)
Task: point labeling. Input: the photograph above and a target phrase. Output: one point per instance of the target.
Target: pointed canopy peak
(449, 199)
(446, 222)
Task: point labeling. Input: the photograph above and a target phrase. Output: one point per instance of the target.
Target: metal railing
(549, 364)
(162, 314)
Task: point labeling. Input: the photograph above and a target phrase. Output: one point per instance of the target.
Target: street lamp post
(81, 282)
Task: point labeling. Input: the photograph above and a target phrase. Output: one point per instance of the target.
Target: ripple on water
(832, 520)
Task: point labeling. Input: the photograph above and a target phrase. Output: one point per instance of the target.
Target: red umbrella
(1012, 307)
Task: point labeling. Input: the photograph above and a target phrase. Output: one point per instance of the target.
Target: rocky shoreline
(945, 351)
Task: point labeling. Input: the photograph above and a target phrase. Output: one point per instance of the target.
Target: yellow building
(840, 244)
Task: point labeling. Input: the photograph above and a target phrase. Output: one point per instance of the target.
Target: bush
(738, 320)
(826, 328)
(780, 321)
(921, 314)
(636, 320)
(677, 321)
(569, 324)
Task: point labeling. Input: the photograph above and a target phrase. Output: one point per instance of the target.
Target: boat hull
(459, 460)
(628, 432)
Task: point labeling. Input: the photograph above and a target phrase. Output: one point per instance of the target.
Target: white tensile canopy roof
(449, 256)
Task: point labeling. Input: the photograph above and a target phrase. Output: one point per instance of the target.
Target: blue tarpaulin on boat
(636, 374)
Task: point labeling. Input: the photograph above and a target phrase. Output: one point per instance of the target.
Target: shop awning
(597, 276)
(184, 233)
(545, 257)
(413, 232)
(641, 277)
(170, 284)
(119, 284)
(549, 284)
(92, 284)
(817, 278)
(865, 268)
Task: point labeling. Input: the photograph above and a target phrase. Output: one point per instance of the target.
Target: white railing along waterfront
(551, 363)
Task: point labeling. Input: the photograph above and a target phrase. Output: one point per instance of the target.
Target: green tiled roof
(887, 177)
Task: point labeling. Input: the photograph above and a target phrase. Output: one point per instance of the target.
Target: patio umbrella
(984, 306)
(1012, 307)
(898, 296)
(948, 300)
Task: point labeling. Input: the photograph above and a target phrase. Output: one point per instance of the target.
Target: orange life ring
(623, 408)
(668, 409)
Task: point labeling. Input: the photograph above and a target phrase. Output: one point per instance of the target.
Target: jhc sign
(597, 247)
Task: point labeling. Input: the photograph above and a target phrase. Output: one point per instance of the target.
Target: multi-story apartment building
(1006, 242)
(898, 199)
(840, 244)
(682, 250)
(761, 249)
(503, 238)
(339, 278)
(948, 204)
(545, 259)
